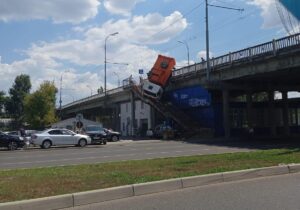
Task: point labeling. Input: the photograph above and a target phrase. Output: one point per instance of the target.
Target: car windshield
(94, 128)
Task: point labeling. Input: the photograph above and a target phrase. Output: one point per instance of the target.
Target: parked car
(165, 131)
(11, 142)
(52, 137)
(112, 135)
(97, 134)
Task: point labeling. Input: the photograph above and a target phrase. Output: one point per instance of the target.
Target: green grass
(41, 182)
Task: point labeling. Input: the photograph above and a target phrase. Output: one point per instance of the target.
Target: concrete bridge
(269, 67)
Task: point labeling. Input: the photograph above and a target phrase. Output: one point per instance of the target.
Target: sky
(53, 39)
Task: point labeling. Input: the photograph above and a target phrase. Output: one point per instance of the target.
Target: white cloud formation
(47, 61)
(121, 7)
(73, 11)
(202, 54)
(135, 33)
(268, 12)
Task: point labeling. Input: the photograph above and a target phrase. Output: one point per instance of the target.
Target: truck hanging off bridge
(158, 77)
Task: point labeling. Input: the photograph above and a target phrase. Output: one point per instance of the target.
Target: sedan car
(97, 134)
(11, 142)
(112, 135)
(52, 137)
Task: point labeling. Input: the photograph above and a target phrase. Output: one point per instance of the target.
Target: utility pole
(207, 42)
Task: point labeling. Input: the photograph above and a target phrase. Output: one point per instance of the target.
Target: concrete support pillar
(285, 113)
(226, 121)
(132, 123)
(152, 117)
(250, 109)
(271, 112)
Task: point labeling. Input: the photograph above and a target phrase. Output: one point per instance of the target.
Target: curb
(98, 196)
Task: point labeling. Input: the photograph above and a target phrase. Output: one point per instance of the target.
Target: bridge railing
(271, 48)
(93, 97)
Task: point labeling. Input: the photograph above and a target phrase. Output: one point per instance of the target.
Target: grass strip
(23, 184)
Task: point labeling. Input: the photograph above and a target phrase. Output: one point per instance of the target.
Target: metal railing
(269, 48)
(93, 97)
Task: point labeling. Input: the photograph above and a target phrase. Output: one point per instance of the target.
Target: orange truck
(159, 76)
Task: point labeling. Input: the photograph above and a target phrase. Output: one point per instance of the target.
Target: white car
(52, 137)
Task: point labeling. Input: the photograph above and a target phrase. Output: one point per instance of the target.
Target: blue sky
(53, 38)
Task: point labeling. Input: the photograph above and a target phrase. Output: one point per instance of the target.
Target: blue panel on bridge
(190, 97)
(293, 6)
(197, 103)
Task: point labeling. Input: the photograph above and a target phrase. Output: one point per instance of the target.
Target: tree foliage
(15, 102)
(40, 106)
(3, 100)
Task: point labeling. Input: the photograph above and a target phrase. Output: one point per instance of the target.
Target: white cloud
(73, 11)
(47, 61)
(202, 54)
(90, 50)
(121, 7)
(268, 12)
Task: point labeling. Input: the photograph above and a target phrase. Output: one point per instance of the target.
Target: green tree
(40, 106)
(15, 102)
(3, 99)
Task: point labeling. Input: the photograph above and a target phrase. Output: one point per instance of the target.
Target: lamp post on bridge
(187, 49)
(60, 90)
(113, 34)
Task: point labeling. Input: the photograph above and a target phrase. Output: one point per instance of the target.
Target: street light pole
(113, 34)
(187, 49)
(60, 90)
(90, 89)
(118, 78)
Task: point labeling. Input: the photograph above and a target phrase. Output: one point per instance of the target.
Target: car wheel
(115, 138)
(46, 144)
(12, 146)
(82, 143)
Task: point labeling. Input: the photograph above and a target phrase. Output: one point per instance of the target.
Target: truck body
(159, 76)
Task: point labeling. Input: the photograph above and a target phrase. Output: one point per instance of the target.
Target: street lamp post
(60, 90)
(90, 89)
(118, 78)
(187, 49)
(113, 34)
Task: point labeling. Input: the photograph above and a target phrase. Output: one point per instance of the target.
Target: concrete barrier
(49, 203)
(271, 171)
(159, 186)
(255, 173)
(97, 196)
(202, 180)
(294, 168)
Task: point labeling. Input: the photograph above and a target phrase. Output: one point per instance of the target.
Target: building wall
(142, 117)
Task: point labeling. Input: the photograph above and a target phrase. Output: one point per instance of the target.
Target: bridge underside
(258, 104)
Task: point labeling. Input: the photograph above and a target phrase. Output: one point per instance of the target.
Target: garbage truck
(159, 76)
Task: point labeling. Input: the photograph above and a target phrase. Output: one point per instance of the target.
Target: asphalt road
(117, 151)
(271, 193)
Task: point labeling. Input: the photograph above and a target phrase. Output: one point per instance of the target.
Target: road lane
(119, 151)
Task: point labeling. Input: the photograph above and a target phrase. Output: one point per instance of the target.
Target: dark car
(97, 134)
(11, 142)
(112, 135)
